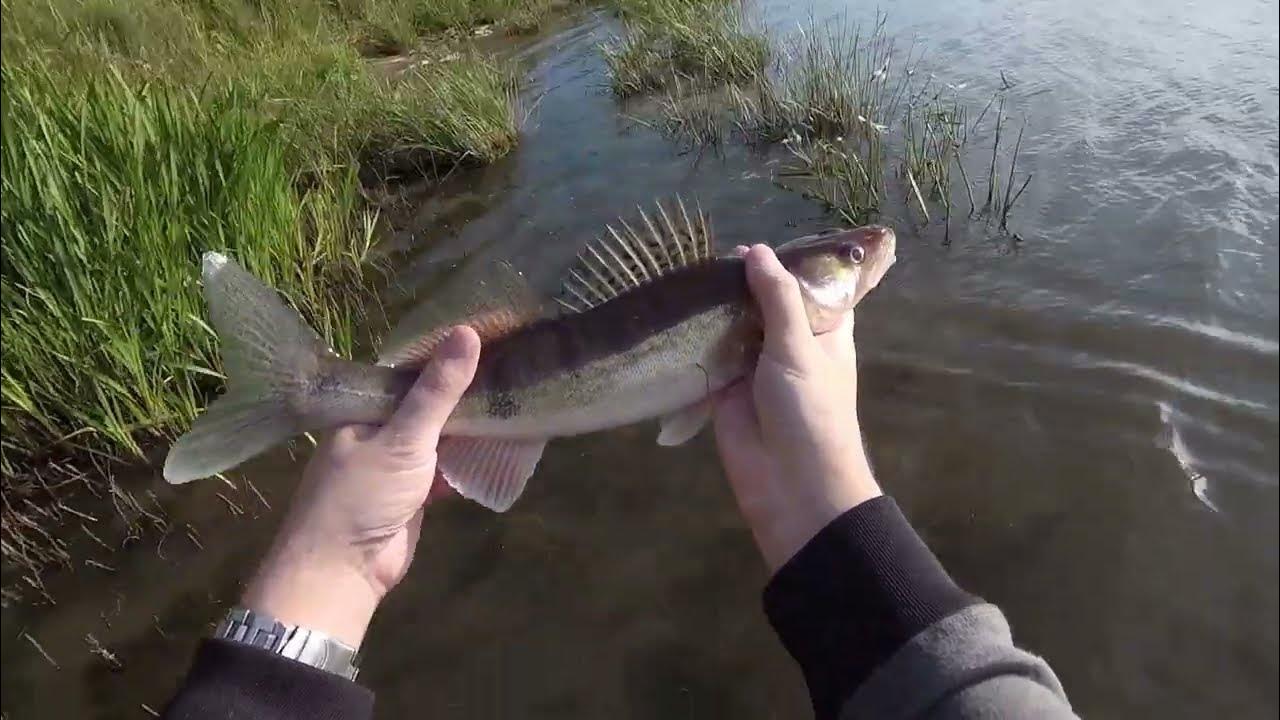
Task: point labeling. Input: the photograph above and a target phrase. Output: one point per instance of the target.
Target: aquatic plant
(842, 177)
(666, 41)
(693, 117)
(852, 109)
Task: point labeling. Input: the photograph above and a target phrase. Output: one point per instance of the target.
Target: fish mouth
(876, 240)
(881, 245)
(879, 240)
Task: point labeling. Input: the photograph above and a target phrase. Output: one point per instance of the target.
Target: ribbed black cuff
(234, 680)
(858, 591)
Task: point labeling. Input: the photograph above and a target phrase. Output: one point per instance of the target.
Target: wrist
(826, 491)
(302, 585)
(853, 483)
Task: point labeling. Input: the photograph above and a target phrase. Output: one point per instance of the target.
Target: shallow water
(1084, 429)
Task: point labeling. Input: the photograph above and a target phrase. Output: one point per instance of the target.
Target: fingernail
(767, 260)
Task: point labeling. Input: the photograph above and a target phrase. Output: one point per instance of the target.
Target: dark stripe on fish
(554, 346)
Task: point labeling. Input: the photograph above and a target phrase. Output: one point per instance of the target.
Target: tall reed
(695, 42)
(111, 193)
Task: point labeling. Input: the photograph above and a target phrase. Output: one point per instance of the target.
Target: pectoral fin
(490, 472)
(681, 426)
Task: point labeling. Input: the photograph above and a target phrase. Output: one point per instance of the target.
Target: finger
(740, 250)
(355, 433)
(412, 532)
(440, 489)
(838, 342)
(786, 325)
(424, 410)
(737, 427)
(738, 436)
(734, 409)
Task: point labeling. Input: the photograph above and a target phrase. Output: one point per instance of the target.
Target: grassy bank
(111, 193)
(137, 135)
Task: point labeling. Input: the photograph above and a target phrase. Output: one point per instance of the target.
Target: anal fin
(682, 425)
(490, 472)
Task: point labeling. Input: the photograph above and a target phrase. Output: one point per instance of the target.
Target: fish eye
(854, 253)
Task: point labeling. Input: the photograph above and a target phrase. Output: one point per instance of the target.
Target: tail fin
(269, 354)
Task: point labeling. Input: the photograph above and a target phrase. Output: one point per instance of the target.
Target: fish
(650, 324)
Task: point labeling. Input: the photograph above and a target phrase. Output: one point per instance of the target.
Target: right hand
(788, 435)
(353, 524)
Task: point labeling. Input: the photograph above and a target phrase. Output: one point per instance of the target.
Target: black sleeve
(233, 681)
(853, 596)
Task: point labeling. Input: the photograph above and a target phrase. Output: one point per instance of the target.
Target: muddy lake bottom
(1083, 425)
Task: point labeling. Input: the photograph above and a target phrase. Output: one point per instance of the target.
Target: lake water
(1083, 426)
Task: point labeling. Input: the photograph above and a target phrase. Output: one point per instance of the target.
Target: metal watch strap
(309, 647)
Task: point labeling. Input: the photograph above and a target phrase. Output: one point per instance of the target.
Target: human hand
(350, 532)
(788, 436)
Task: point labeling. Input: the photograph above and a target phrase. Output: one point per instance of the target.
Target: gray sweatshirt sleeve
(880, 630)
(963, 666)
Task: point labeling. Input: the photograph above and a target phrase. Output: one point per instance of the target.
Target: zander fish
(652, 325)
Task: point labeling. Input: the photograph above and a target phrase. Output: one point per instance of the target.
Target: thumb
(786, 324)
(418, 421)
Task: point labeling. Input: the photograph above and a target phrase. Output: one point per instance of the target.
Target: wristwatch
(310, 647)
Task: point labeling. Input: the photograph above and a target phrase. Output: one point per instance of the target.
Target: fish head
(837, 268)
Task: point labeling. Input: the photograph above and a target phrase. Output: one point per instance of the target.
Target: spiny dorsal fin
(494, 302)
(626, 258)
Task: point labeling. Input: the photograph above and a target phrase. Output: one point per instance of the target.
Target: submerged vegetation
(691, 41)
(138, 134)
(859, 119)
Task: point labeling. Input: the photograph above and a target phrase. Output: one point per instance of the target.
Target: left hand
(350, 532)
(789, 437)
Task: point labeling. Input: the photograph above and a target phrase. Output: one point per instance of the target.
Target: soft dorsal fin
(490, 325)
(494, 304)
(624, 259)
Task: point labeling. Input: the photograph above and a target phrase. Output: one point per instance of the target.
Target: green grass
(300, 61)
(111, 192)
(188, 35)
(138, 134)
(692, 41)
